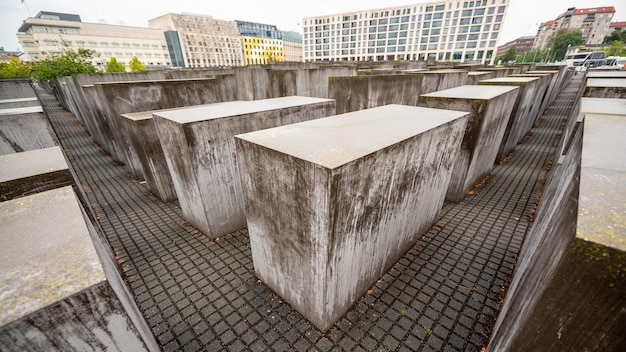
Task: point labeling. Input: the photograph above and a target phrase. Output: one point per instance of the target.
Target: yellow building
(260, 51)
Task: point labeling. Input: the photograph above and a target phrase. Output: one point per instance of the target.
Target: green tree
(617, 48)
(113, 66)
(15, 68)
(509, 55)
(536, 55)
(69, 63)
(561, 40)
(136, 65)
(617, 35)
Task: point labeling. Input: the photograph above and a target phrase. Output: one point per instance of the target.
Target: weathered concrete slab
(117, 98)
(606, 88)
(548, 80)
(404, 88)
(604, 106)
(145, 141)
(490, 108)
(54, 294)
(24, 129)
(473, 77)
(47, 257)
(606, 74)
(502, 71)
(524, 111)
(586, 282)
(34, 171)
(16, 88)
(199, 148)
(18, 103)
(332, 203)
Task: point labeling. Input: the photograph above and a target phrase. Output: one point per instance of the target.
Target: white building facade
(463, 31)
(49, 33)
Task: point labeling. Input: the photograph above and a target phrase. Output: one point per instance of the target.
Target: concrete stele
(490, 109)
(46, 252)
(200, 153)
(333, 203)
(524, 111)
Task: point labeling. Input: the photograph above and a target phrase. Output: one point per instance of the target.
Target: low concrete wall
(16, 88)
(524, 111)
(353, 192)
(199, 148)
(476, 76)
(24, 129)
(18, 103)
(490, 108)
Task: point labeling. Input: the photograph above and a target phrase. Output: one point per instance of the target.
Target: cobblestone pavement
(199, 294)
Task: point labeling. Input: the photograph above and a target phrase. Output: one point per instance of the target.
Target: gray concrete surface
(199, 149)
(352, 191)
(606, 88)
(16, 88)
(24, 129)
(490, 108)
(18, 103)
(33, 171)
(524, 111)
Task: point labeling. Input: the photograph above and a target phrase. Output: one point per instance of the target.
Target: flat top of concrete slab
(472, 92)
(607, 82)
(478, 73)
(337, 140)
(542, 71)
(17, 100)
(606, 74)
(509, 80)
(607, 106)
(35, 162)
(22, 110)
(145, 115)
(46, 252)
(603, 181)
(446, 70)
(235, 108)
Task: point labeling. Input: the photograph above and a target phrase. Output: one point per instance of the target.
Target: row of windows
(425, 43)
(454, 55)
(60, 30)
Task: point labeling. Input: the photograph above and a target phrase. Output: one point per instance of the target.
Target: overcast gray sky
(523, 17)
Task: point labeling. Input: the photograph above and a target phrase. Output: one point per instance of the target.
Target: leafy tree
(113, 66)
(136, 65)
(509, 55)
(617, 35)
(616, 49)
(536, 55)
(561, 40)
(69, 63)
(15, 68)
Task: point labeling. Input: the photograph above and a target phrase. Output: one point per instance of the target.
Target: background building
(50, 32)
(617, 25)
(202, 40)
(521, 44)
(262, 43)
(292, 46)
(593, 22)
(442, 30)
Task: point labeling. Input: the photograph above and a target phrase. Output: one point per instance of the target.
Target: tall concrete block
(283, 83)
(333, 203)
(490, 109)
(606, 74)
(55, 294)
(524, 111)
(441, 79)
(200, 153)
(570, 293)
(368, 91)
(501, 71)
(546, 84)
(34, 171)
(117, 98)
(23, 129)
(312, 81)
(606, 88)
(474, 77)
